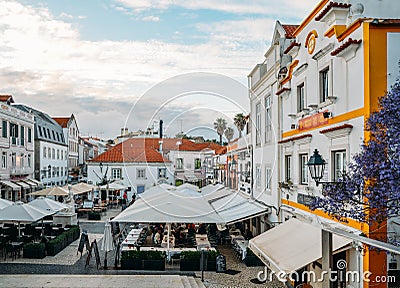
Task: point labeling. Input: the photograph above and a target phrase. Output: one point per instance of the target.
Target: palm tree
(220, 126)
(229, 133)
(240, 122)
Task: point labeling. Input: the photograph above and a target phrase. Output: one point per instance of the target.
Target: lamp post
(316, 166)
(234, 163)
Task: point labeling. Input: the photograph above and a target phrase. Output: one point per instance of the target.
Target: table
(236, 237)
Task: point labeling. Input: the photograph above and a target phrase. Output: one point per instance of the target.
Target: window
(324, 84)
(300, 98)
(22, 135)
(58, 137)
(21, 161)
(258, 124)
(29, 135)
(4, 160)
(53, 154)
(140, 174)
(179, 163)
(13, 133)
(49, 153)
(268, 119)
(339, 164)
(4, 129)
(62, 171)
(116, 173)
(258, 176)
(268, 176)
(54, 135)
(288, 168)
(140, 189)
(29, 160)
(13, 160)
(48, 132)
(58, 153)
(45, 133)
(44, 152)
(162, 173)
(197, 163)
(40, 131)
(303, 169)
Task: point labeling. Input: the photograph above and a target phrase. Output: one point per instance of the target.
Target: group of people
(125, 203)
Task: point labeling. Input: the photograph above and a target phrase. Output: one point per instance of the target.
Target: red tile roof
(344, 46)
(147, 150)
(388, 21)
(289, 29)
(6, 98)
(329, 7)
(62, 121)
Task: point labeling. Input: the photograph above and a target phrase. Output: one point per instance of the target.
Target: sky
(130, 63)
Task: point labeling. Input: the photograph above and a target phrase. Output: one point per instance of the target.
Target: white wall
(56, 162)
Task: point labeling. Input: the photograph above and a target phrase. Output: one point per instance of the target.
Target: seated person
(202, 229)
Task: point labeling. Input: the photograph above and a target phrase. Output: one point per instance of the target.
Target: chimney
(161, 130)
(124, 131)
(160, 148)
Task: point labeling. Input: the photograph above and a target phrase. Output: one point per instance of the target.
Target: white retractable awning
(237, 207)
(38, 183)
(292, 245)
(10, 184)
(22, 184)
(30, 183)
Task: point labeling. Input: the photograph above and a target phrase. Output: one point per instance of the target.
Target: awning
(236, 207)
(10, 185)
(22, 184)
(38, 183)
(292, 245)
(30, 183)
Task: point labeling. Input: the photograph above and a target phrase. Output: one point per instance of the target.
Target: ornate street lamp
(316, 166)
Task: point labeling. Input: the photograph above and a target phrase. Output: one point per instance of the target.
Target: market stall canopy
(48, 204)
(10, 184)
(22, 213)
(170, 207)
(52, 191)
(279, 248)
(113, 186)
(5, 203)
(238, 207)
(80, 188)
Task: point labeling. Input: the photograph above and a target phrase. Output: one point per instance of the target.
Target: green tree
(229, 133)
(240, 122)
(220, 126)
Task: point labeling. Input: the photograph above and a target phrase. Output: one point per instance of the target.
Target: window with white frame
(324, 84)
(301, 101)
(140, 173)
(44, 152)
(288, 168)
(21, 161)
(13, 160)
(162, 173)
(258, 124)
(4, 160)
(116, 173)
(258, 176)
(339, 164)
(268, 176)
(268, 119)
(179, 163)
(303, 169)
(197, 163)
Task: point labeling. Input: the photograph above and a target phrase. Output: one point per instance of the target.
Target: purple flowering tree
(370, 190)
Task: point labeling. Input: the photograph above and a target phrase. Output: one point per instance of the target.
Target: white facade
(53, 168)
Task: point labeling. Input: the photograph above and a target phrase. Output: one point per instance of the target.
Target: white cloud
(151, 18)
(288, 8)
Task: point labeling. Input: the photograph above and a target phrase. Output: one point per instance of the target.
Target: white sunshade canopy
(211, 188)
(167, 206)
(113, 186)
(107, 243)
(48, 204)
(22, 184)
(52, 191)
(292, 245)
(22, 213)
(10, 184)
(5, 203)
(237, 207)
(216, 193)
(80, 188)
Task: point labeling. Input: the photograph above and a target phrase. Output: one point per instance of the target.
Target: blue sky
(97, 58)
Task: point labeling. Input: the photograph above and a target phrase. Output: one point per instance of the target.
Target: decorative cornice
(349, 43)
(282, 91)
(292, 45)
(330, 6)
(295, 138)
(337, 131)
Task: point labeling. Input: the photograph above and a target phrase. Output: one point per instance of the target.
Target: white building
(71, 136)
(51, 150)
(17, 150)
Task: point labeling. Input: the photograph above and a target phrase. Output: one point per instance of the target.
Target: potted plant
(153, 260)
(131, 260)
(34, 250)
(251, 259)
(211, 260)
(190, 261)
(93, 215)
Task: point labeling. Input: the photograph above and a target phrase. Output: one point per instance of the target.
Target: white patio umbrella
(52, 191)
(22, 213)
(48, 204)
(113, 186)
(5, 203)
(107, 244)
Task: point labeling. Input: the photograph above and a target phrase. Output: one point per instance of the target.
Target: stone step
(199, 283)
(193, 282)
(185, 282)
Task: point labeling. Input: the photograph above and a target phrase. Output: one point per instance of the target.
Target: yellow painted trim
(313, 32)
(350, 222)
(310, 17)
(337, 119)
(289, 76)
(353, 27)
(335, 30)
